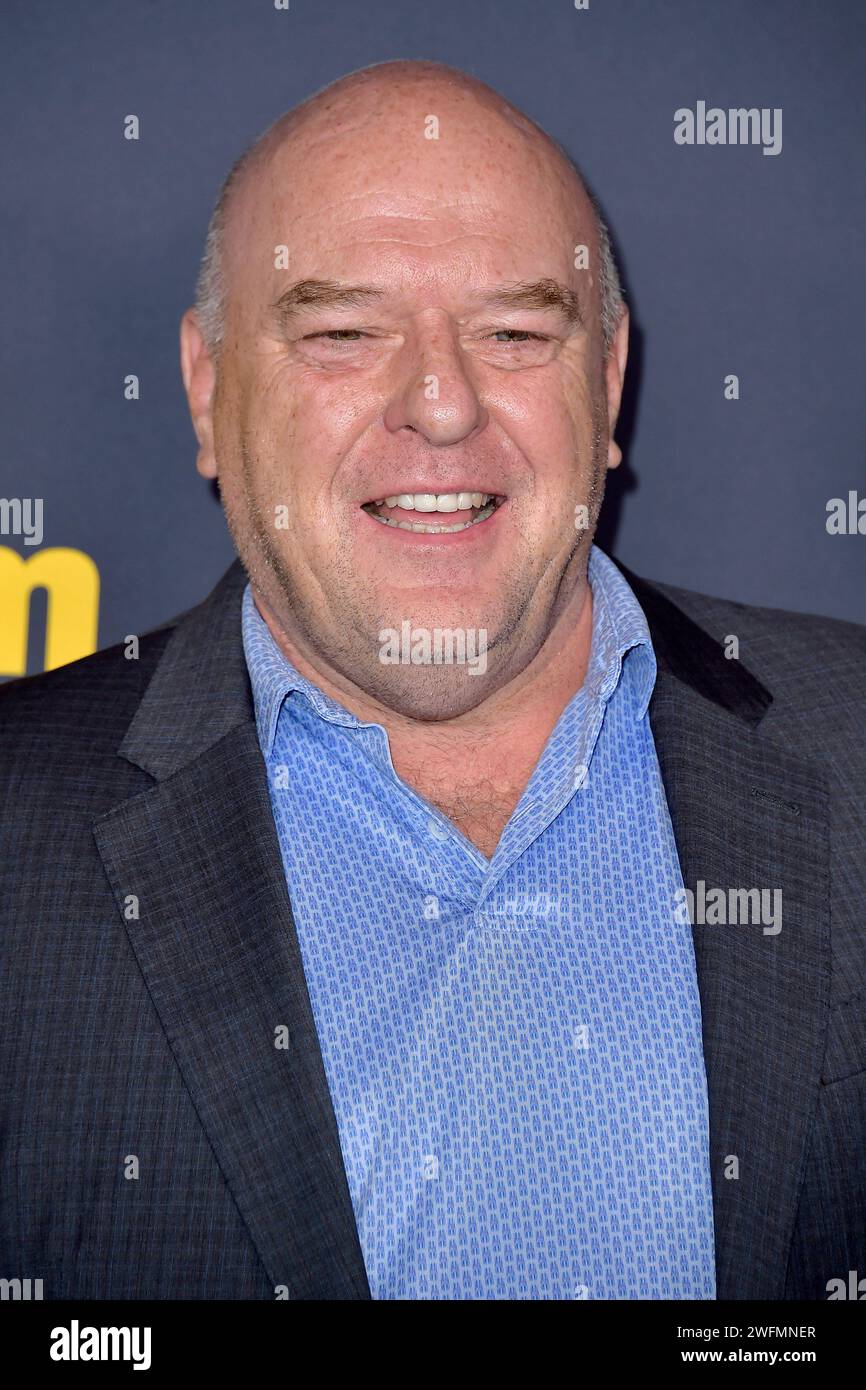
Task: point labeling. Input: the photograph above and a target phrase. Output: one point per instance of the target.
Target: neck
(475, 766)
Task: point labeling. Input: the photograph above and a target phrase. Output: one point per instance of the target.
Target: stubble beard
(428, 693)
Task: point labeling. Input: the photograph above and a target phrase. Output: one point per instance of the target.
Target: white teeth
(437, 502)
(483, 503)
(485, 512)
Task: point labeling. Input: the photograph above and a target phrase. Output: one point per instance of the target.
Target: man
(436, 911)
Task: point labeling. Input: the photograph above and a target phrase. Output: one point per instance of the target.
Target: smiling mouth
(405, 509)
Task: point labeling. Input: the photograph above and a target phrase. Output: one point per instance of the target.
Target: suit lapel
(217, 947)
(747, 814)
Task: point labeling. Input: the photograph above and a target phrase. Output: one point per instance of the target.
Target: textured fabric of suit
(155, 1143)
(812, 819)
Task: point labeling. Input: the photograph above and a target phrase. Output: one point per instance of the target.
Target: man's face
(384, 355)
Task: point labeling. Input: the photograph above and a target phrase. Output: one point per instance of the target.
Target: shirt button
(436, 830)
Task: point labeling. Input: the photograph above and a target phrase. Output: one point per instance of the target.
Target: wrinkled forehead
(419, 173)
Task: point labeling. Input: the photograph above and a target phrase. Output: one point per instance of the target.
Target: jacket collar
(200, 690)
(685, 651)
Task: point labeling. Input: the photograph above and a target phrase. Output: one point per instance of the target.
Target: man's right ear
(199, 379)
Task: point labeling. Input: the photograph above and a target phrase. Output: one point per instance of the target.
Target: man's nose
(434, 393)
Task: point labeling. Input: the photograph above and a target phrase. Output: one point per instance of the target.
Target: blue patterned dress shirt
(512, 1045)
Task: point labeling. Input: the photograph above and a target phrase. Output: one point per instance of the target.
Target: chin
(424, 695)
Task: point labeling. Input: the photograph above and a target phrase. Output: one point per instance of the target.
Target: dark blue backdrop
(734, 262)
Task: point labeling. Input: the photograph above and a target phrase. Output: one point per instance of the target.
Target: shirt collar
(618, 627)
(273, 677)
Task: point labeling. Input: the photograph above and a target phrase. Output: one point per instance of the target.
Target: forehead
(369, 191)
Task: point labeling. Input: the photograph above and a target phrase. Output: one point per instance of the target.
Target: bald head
(374, 112)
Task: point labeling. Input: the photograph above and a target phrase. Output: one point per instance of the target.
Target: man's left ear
(199, 379)
(614, 373)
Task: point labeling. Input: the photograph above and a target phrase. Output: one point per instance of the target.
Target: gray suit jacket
(153, 1141)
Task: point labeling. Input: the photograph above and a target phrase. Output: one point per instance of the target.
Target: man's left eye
(517, 335)
(341, 335)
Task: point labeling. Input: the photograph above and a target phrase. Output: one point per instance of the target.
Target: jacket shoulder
(775, 643)
(722, 617)
(83, 708)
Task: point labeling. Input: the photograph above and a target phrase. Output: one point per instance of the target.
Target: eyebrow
(537, 294)
(322, 294)
(522, 294)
